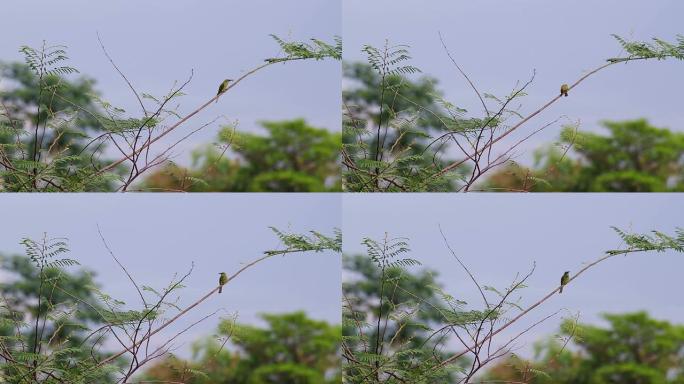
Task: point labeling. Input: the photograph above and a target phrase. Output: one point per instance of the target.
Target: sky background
(158, 42)
(158, 235)
(497, 236)
(498, 43)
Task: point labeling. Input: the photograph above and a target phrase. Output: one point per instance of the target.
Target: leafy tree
(633, 349)
(364, 294)
(46, 315)
(390, 119)
(393, 318)
(47, 119)
(22, 296)
(292, 157)
(634, 157)
(291, 349)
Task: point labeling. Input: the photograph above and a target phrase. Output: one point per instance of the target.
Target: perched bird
(564, 90)
(223, 87)
(223, 279)
(564, 280)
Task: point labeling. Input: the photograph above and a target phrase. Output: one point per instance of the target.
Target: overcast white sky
(158, 42)
(499, 43)
(499, 235)
(158, 235)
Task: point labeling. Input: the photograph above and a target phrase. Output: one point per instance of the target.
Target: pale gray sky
(500, 42)
(500, 235)
(158, 235)
(158, 42)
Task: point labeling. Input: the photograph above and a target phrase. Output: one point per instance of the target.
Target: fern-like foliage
(658, 49)
(315, 50)
(386, 254)
(655, 241)
(385, 324)
(312, 242)
(44, 254)
(392, 60)
(47, 61)
(47, 313)
(46, 119)
(397, 133)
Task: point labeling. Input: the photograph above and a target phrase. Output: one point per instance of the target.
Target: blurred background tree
(400, 112)
(404, 310)
(69, 307)
(292, 157)
(20, 292)
(291, 349)
(634, 157)
(48, 117)
(633, 349)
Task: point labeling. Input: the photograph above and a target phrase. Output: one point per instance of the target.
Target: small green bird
(564, 280)
(223, 279)
(564, 90)
(223, 87)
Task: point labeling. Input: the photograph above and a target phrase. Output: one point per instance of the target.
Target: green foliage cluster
(388, 318)
(292, 157)
(388, 120)
(46, 318)
(656, 241)
(634, 157)
(312, 242)
(659, 49)
(319, 50)
(291, 349)
(633, 348)
(45, 122)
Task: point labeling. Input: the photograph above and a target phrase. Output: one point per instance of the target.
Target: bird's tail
(220, 288)
(561, 290)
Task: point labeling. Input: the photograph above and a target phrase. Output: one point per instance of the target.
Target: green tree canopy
(634, 157)
(291, 349)
(634, 348)
(292, 157)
